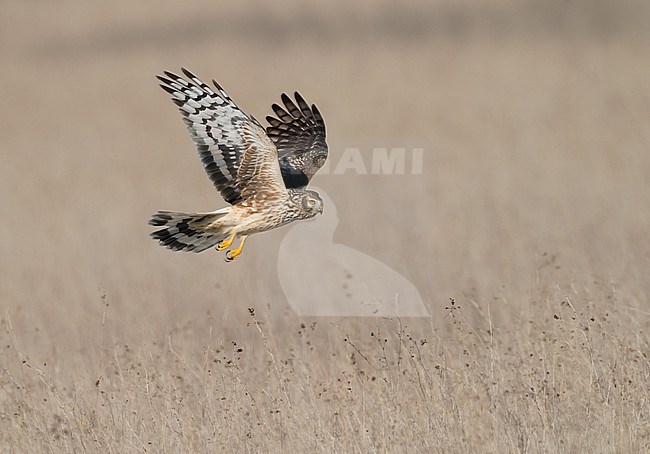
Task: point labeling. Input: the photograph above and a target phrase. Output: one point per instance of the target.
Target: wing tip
(188, 73)
(171, 75)
(168, 89)
(299, 98)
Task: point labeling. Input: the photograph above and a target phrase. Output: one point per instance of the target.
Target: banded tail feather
(189, 232)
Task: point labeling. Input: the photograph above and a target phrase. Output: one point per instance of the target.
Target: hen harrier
(261, 173)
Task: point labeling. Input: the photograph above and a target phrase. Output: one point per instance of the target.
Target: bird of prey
(261, 173)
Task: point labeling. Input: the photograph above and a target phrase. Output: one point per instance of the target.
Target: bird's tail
(190, 232)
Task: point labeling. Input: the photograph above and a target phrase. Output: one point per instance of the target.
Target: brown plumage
(242, 162)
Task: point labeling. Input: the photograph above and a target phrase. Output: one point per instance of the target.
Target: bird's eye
(311, 202)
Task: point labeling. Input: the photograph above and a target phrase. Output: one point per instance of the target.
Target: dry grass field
(527, 233)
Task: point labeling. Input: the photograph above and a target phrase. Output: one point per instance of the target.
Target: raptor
(261, 172)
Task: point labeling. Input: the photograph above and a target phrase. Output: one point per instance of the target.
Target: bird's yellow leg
(225, 244)
(233, 254)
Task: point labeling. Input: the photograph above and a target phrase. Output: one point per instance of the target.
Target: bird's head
(311, 203)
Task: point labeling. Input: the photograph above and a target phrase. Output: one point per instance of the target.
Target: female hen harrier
(262, 174)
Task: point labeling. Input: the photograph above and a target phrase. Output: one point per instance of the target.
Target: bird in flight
(261, 172)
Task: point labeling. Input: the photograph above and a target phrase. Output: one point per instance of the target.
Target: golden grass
(566, 377)
(531, 214)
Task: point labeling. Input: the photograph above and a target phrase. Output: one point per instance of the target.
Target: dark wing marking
(299, 135)
(217, 128)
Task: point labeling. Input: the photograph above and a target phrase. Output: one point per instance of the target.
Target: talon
(225, 244)
(234, 253)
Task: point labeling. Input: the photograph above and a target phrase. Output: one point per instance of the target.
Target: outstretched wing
(259, 174)
(232, 145)
(299, 135)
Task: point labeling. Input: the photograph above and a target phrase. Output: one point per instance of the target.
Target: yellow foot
(225, 244)
(233, 254)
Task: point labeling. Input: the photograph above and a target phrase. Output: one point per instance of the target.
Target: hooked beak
(321, 209)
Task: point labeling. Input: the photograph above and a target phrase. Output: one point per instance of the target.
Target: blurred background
(533, 116)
